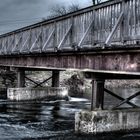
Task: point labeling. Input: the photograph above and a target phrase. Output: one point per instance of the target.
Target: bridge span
(103, 41)
(102, 37)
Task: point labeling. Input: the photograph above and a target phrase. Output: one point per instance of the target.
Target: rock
(76, 85)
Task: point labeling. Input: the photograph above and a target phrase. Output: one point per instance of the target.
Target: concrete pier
(22, 94)
(105, 121)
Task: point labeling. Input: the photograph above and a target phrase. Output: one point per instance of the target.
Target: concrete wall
(87, 122)
(20, 94)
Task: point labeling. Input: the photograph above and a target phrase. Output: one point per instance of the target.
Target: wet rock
(75, 85)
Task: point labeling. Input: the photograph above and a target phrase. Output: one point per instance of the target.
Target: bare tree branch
(96, 2)
(62, 10)
(73, 8)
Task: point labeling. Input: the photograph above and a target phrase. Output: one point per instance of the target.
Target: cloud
(29, 11)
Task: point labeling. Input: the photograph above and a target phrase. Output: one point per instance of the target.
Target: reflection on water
(52, 120)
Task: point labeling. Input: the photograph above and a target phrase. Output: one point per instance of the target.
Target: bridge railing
(113, 22)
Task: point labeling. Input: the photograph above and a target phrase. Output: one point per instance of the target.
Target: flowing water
(50, 120)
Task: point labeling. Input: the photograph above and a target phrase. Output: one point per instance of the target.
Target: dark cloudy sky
(18, 13)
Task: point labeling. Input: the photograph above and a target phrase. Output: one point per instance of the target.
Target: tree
(58, 10)
(96, 2)
(73, 8)
(62, 10)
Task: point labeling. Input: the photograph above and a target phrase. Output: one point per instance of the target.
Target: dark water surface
(47, 120)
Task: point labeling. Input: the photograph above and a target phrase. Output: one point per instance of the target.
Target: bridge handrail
(56, 19)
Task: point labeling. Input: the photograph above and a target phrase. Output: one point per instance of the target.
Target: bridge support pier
(27, 94)
(97, 94)
(20, 78)
(38, 92)
(116, 119)
(107, 121)
(55, 78)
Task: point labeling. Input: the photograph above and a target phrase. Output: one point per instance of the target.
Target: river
(50, 120)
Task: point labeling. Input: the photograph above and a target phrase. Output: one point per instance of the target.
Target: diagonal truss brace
(38, 37)
(4, 48)
(11, 42)
(31, 80)
(24, 44)
(120, 98)
(14, 48)
(128, 99)
(85, 34)
(64, 38)
(26, 41)
(40, 84)
(119, 21)
(37, 84)
(48, 40)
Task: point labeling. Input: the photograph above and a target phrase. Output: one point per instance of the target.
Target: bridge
(103, 37)
(103, 41)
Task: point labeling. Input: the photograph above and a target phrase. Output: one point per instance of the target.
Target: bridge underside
(105, 59)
